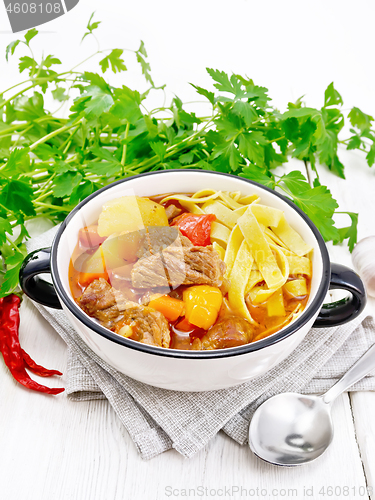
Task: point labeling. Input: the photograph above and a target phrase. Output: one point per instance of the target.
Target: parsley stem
(123, 158)
(44, 196)
(4, 103)
(14, 86)
(6, 209)
(307, 173)
(154, 160)
(55, 208)
(82, 62)
(14, 128)
(52, 134)
(12, 244)
(68, 140)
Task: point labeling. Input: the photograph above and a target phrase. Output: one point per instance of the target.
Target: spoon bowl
(291, 429)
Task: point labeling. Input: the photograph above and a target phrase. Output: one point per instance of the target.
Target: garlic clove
(363, 258)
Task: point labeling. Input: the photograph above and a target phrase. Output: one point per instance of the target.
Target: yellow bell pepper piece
(202, 305)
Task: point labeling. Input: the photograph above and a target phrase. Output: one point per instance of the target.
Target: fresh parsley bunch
(48, 164)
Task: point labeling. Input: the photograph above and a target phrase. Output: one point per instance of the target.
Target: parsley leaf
(331, 96)
(114, 59)
(91, 27)
(17, 195)
(30, 35)
(359, 119)
(141, 55)
(256, 174)
(100, 102)
(209, 95)
(11, 48)
(5, 227)
(65, 183)
(10, 280)
(349, 232)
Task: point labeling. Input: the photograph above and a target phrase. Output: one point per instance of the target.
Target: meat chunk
(229, 332)
(103, 302)
(179, 265)
(147, 326)
(156, 238)
(114, 311)
(172, 211)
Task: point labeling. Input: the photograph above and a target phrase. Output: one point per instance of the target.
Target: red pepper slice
(10, 346)
(195, 227)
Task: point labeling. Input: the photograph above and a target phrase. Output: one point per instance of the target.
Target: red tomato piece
(195, 227)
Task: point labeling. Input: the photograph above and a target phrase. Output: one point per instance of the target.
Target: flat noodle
(283, 264)
(255, 290)
(275, 304)
(220, 250)
(205, 194)
(262, 295)
(291, 238)
(234, 243)
(186, 202)
(183, 197)
(223, 214)
(229, 202)
(191, 207)
(281, 260)
(239, 277)
(248, 199)
(272, 236)
(254, 278)
(296, 288)
(260, 250)
(241, 210)
(299, 265)
(267, 215)
(219, 233)
(236, 195)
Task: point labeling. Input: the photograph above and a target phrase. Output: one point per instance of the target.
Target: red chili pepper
(37, 369)
(10, 346)
(196, 227)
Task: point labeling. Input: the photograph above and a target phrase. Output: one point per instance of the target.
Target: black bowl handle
(342, 311)
(37, 289)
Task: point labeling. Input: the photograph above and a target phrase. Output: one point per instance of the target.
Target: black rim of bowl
(274, 338)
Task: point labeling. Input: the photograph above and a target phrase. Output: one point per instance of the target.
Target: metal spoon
(293, 429)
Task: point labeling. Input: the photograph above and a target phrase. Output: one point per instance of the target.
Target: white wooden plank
(363, 407)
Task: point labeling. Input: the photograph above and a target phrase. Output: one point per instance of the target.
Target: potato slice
(130, 213)
(106, 257)
(94, 264)
(111, 249)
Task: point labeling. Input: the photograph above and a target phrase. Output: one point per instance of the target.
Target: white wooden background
(51, 448)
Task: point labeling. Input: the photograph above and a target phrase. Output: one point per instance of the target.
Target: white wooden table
(52, 448)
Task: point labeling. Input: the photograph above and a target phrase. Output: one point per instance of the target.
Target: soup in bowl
(190, 280)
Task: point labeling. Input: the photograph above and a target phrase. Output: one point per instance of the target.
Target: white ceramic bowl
(188, 370)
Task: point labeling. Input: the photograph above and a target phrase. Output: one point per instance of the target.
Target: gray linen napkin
(159, 419)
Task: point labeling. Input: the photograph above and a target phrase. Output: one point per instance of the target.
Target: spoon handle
(360, 369)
